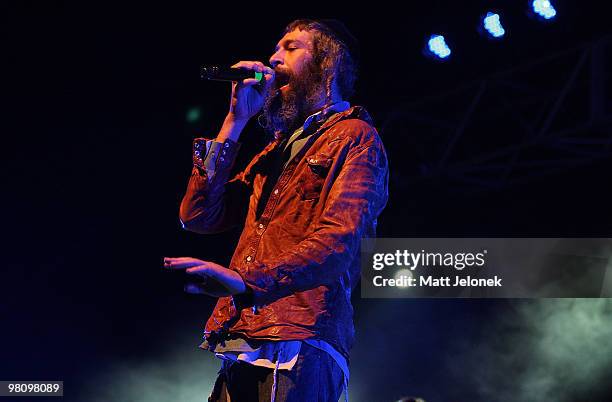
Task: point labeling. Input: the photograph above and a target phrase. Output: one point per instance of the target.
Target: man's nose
(276, 59)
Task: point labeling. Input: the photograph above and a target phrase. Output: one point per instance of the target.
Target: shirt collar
(326, 112)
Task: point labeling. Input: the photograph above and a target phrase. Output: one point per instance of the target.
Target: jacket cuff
(210, 156)
(262, 287)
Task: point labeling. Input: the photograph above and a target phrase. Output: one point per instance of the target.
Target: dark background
(96, 156)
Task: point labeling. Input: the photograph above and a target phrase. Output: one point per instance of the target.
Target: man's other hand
(214, 279)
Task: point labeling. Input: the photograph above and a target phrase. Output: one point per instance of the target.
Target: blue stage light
(544, 8)
(493, 25)
(438, 47)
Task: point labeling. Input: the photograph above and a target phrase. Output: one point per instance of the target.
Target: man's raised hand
(249, 95)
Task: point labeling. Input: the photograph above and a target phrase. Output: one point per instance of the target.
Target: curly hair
(335, 55)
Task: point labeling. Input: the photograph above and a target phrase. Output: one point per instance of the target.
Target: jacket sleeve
(356, 198)
(212, 203)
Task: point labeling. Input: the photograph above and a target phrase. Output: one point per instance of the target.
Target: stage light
(493, 25)
(438, 47)
(544, 9)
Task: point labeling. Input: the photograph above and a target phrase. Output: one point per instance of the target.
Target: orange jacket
(299, 250)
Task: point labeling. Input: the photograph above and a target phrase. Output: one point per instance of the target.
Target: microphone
(218, 73)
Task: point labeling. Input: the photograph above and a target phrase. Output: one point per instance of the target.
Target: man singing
(283, 324)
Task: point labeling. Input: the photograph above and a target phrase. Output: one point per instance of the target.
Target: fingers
(249, 82)
(193, 266)
(194, 288)
(251, 65)
(268, 80)
(181, 262)
(258, 67)
(214, 279)
(202, 270)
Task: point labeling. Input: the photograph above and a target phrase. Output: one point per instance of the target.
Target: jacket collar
(355, 112)
(326, 112)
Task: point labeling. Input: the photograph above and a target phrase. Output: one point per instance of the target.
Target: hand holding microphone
(248, 96)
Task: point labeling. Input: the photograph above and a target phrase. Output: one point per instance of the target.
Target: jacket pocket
(310, 184)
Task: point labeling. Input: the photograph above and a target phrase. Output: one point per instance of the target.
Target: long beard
(285, 111)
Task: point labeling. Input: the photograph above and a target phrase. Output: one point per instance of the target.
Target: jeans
(316, 377)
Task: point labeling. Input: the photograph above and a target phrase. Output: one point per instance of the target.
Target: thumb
(193, 288)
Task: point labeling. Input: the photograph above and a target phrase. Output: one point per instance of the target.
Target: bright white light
(437, 46)
(403, 274)
(493, 25)
(544, 8)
